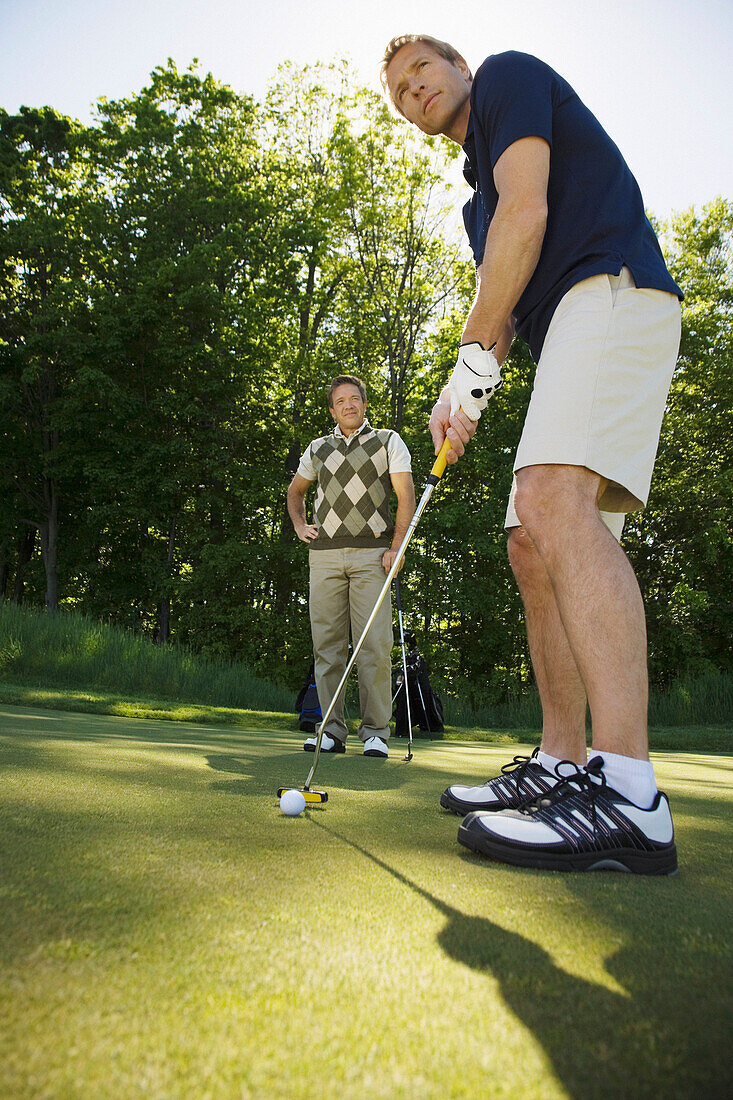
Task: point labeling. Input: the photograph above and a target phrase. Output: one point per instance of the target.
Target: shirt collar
(469, 148)
(347, 438)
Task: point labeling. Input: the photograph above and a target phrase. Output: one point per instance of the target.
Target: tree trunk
(49, 528)
(164, 621)
(4, 570)
(26, 547)
(49, 545)
(164, 607)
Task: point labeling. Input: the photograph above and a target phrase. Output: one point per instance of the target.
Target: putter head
(312, 797)
(406, 759)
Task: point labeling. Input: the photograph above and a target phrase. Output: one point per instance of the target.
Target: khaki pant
(344, 586)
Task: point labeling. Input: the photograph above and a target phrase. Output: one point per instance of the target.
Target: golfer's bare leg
(558, 681)
(597, 596)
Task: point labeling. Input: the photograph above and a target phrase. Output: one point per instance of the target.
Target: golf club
(405, 685)
(424, 708)
(433, 478)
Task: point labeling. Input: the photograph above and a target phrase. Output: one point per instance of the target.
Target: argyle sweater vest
(352, 499)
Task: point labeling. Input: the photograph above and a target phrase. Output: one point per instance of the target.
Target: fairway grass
(167, 933)
(688, 738)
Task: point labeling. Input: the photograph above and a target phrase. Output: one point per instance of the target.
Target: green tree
(405, 269)
(195, 268)
(297, 122)
(682, 543)
(458, 582)
(46, 193)
(373, 274)
(179, 282)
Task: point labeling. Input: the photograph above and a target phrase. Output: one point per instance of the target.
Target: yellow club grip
(440, 463)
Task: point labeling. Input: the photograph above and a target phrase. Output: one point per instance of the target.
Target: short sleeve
(474, 221)
(513, 99)
(398, 456)
(306, 469)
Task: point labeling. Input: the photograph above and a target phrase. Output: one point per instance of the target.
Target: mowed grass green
(166, 932)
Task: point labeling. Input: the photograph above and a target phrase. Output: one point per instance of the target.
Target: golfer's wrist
(483, 338)
(443, 397)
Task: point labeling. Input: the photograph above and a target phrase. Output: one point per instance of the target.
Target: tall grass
(70, 651)
(520, 711)
(704, 701)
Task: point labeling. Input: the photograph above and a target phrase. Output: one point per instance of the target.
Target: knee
(552, 500)
(523, 557)
(533, 501)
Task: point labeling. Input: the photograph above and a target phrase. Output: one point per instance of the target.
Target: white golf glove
(476, 376)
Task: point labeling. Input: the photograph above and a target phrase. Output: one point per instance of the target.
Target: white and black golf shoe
(375, 746)
(522, 779)
(581, 824)
(328, 744)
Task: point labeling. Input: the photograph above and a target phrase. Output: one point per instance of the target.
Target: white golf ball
(292, 803)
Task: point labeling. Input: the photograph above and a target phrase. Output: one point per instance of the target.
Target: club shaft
(404, 669)
(424, 708)
(406, 688)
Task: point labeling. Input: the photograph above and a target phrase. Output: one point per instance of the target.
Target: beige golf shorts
(601, 387)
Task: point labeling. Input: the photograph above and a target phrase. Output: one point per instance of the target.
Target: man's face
(348, 407)
(430, 91)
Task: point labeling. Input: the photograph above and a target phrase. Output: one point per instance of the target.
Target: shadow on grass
(346, 773)
(665, 1035)
(278, 766)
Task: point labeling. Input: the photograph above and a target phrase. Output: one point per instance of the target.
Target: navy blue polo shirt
(596, 221)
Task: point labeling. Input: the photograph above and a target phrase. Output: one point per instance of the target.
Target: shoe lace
(588, 778)
(516, 763)
(517, 768)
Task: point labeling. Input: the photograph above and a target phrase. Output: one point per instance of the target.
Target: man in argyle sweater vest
(352, 544)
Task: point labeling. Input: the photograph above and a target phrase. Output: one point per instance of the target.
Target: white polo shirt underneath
(398, 456)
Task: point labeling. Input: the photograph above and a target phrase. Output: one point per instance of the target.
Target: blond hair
(443, 49)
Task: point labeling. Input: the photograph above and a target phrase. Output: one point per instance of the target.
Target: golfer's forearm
(504, 342)
(405, 512)
(513, 247)
(296, 509)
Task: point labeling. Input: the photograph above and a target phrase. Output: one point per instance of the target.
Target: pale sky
(657, 73)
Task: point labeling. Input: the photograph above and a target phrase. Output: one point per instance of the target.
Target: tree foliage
(178, 283)
(682, 544)
(45, 195)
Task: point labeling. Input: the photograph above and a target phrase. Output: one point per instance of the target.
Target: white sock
(632, 778)
(550, 762)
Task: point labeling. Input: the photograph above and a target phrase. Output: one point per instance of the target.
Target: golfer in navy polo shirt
(567, 259)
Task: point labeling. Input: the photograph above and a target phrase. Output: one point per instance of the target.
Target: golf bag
(307, 704)
(426, 709)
